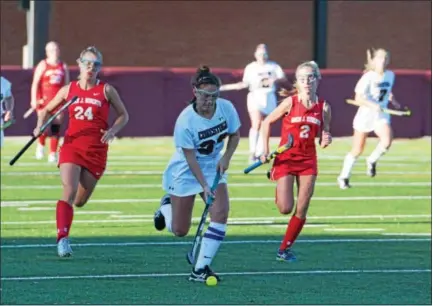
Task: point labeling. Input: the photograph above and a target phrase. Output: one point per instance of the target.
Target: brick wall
(225, 33)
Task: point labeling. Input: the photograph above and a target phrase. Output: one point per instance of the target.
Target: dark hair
(204, 76)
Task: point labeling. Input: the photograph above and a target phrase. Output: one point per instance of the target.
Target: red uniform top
(88, 115)
(305, 125)
(53, 78)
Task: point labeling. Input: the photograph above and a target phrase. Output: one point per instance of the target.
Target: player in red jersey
(305, 116)
(49, 76)
(83, 155)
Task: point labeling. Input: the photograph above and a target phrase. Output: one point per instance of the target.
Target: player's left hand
(326, 139)
(223, 165)
(107, 136)
(8, 116)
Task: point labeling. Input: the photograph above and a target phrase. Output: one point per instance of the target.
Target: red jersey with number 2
(53, 78)
(305, 125)
(87, 117)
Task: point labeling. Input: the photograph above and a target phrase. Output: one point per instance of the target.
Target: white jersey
(375, 88)
(206, 138)
(255, 74)
(5, 91)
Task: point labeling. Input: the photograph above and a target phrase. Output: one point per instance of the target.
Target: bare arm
(283, 107)
(234, 86)
(194, 166)
(67, 74)
(118, 105)
(35, 83)
(363, 101)
(53, 104)
(393, 101)
(232, 145)
(326, 118)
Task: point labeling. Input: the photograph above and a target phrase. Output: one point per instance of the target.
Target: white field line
(232, 173)
(76, 212)
(407, 234)
(144, 163)
(234, 242)
(139, 186)
(353, 229)
(234, 199)
(244, 273)
(241, 156)
(119, 219)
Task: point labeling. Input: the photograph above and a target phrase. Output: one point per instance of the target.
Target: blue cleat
(286, 255)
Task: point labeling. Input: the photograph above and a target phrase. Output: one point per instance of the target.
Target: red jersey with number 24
(88, 115)
(305, 125)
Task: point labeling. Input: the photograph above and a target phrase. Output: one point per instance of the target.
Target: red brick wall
(224, 33)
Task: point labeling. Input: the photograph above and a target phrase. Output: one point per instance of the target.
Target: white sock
(349, 161)
(253, 135)
(259, 145)
(376, 154)
(168, 216)
(210, 244)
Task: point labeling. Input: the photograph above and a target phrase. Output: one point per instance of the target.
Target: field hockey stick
(28, 112)
(7, 124)
(43, 128)
(393, 112)
(197, 239)
(271, 156)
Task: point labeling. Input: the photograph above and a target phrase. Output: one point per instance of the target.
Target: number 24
(81, 114)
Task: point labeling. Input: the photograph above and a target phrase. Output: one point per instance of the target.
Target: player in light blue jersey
(199, 136)
(373, 91)
(6, 105)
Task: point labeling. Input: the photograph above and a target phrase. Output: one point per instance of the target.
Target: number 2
(206, 147)
(382, 94)
(305, 131)
(81, 114)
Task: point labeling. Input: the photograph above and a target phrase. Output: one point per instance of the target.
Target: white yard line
(235, 242)
(353, 229)
(407, 234)
(235, 221)
(232, 173)
(241, 273)
(139, 186)
(234, 199)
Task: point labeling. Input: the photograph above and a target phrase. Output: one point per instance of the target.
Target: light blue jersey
(206, 137)
(5, 92)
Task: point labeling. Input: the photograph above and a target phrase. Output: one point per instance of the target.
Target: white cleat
(63, 248)
(39, 151)
(52, 157)
(343, 183)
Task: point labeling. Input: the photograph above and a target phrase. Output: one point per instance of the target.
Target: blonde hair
(94, 50)
(371, 54)
(311, 64)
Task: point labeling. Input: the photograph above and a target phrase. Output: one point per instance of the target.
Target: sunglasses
(88, 62)
(306, 77)
(208, 94)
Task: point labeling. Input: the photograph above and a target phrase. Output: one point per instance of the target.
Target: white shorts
(265, 102)
(369, 121)
(179, 181)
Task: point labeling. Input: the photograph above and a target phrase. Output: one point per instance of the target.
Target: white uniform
(261, 96)
(206, 137)
(376, 88)
(5, 91)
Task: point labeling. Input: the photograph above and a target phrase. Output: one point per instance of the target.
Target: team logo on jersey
(305, 119)
(212, 131)
(383, 84)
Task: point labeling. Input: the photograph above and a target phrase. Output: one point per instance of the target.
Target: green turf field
(367, 245)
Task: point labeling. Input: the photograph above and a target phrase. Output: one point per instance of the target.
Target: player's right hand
(36, 131)
(208, 193)
(264, 158)
(33, 104)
